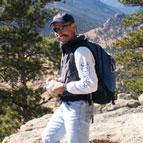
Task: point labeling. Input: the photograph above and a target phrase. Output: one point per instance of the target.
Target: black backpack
(105, 69)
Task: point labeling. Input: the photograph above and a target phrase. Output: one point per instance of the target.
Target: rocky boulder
(141, 99)
(120, 123)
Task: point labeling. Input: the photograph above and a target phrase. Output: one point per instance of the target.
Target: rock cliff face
(120, 123)
(110, 31)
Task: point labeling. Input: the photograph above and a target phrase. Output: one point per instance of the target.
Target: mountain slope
(110, 31)
(87, 14)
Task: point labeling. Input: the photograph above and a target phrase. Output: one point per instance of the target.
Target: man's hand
(58, 88)
(54, 87)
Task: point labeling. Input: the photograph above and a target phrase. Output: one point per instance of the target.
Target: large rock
(112, 124)
(141, 99)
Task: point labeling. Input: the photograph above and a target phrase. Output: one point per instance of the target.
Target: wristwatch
(65, 87)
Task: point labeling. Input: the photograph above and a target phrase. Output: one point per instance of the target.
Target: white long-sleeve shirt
(85, 65)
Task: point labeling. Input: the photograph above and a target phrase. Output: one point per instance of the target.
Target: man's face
(64, 32)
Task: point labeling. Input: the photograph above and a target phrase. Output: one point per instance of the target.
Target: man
(77, 80)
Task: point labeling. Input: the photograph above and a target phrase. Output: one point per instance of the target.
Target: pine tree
(23, 54)
(131, 53)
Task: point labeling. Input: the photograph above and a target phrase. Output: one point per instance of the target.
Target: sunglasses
(61, 28)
